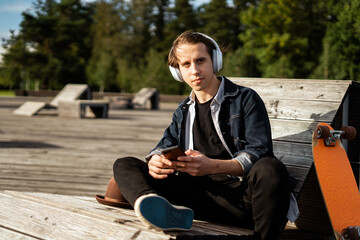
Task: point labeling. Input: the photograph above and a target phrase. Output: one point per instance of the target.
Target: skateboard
(336, 178)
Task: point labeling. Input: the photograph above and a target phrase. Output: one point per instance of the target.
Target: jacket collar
(226, 89)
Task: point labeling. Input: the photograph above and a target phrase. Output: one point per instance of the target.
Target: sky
(10, 16)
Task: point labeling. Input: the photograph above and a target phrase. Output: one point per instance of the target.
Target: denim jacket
(239, 117)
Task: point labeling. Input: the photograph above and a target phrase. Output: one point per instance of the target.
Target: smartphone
(173, 152)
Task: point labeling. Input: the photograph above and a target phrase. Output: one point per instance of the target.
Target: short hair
(192, 38)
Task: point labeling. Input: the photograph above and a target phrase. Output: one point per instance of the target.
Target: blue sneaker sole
(158, 213)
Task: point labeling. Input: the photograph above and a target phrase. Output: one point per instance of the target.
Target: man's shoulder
(184, 102)
(232, 88)
(183, 105)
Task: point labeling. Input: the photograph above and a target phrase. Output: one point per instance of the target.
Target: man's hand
(160, 167)
(195, 163)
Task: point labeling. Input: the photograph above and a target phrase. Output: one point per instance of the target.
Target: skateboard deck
(336, 178)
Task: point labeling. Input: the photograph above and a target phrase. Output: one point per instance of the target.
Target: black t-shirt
(206, 139)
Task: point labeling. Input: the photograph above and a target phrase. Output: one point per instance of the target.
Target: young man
(229, 173)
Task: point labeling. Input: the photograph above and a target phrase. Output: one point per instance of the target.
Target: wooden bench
(295, 107)
(83, 108)
(146, 98)
(70, 92)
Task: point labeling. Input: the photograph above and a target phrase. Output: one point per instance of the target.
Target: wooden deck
(45, 155)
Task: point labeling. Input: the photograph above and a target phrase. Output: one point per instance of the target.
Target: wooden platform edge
(43, 215)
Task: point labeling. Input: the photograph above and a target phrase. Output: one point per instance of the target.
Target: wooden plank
(292, 130)
(56, 188)
(50, 222)
(122, 128)
(301, 89)
(33, 170)
(88, 207)
(301, 109)
(71, 92)
(6, 233)
(293, 153)
(29, 108)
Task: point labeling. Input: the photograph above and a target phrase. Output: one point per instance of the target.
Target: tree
(159, 22)
(55, 42)
(221, 21)
(157, 74)
(181, 18)
(285, 36)
(139, 20)
(341, 51)
(240, 63)
(109, 35)
(13, 63)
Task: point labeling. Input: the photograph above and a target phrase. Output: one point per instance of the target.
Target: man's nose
(194, 68)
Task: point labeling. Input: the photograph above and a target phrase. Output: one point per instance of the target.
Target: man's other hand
(160, 167)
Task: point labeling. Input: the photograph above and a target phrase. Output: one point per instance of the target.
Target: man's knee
(269, 170)
(126, 163)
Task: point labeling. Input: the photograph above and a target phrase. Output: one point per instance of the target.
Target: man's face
(196, 66)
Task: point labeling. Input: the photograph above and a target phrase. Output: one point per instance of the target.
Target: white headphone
(216, 60)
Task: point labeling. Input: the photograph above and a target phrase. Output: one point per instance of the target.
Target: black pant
(260, 201)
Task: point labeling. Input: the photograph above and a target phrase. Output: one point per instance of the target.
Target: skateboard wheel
(350, 233)
(349, 132)
(322, 132)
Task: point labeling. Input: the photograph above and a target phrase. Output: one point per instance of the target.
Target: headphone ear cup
(217, 60)
(175, 72)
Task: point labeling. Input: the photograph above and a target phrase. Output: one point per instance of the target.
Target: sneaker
(157, 213)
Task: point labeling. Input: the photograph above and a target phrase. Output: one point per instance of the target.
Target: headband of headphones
(216, 60)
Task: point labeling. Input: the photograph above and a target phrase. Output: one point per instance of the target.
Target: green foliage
(13, 63)
(7, 93)
(182, 17)
(157, 74)
(240, 64)
(107, 45)
(151, 72)
(341, 52)
(53, 45)
(221, 22)
(122, 45)
(281, 34)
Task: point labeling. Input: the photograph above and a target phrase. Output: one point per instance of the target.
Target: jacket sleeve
(256, 131)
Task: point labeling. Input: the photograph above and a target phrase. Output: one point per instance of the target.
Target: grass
(7, 93)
